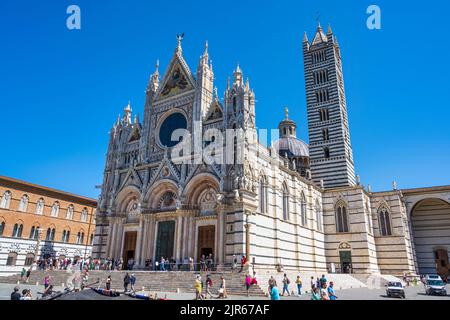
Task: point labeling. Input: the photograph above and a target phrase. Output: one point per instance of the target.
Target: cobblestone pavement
(412, 293)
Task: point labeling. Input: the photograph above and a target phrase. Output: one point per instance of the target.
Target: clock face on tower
(169, 125)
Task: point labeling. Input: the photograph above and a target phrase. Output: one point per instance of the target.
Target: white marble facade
(283, 206)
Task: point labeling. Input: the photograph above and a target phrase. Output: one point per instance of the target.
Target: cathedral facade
(172, 190)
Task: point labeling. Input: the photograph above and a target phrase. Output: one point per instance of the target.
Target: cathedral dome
(292, 146)
(288, 144)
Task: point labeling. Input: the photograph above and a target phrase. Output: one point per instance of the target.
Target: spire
(228, 84)
(305, 37)
(179, 39)
(136, 119)
(237, 75)
(247, 84)
(320, 36)
(286, 113)
(215, 94)
(329, 29)
(205, 54)
(127, 114)
(156, 68)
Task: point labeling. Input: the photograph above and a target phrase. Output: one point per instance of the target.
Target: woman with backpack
(286, 283)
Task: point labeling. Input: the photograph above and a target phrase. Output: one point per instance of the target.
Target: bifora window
(341, 218)
(385, 222)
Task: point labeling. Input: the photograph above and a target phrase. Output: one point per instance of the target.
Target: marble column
(138, 253)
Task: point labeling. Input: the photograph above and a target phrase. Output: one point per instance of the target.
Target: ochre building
(40, 222)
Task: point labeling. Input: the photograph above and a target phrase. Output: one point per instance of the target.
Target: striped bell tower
(329, 135)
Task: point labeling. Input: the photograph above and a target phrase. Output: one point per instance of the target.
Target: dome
(293, 146)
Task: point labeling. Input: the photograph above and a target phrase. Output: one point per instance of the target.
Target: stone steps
(150, 280)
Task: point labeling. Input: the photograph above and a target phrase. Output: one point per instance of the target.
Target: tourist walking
(323, 280)
(286, 283)
(28, 275)
(330, 290)
(22, 274)
(313, 284)
(108, 283)
(208, 285)
(126, 282)
(299, 286)
(198, 288)
(222, 288)
(132, 281)
(248, 283)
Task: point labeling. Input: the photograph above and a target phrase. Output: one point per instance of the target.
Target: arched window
(40, 206)
(319, 221)
(29, 259)
(17, 230)
(263, 195)
(69, 213)
(84, 215)
(50, 236)
(303, 209)
(384, 221)
(65, 236)
(80, 237)
(2, 228)
(12, 258)
(234, 104)
(341, 218)
(33, 232)
(23, 204)
(6, 200)
(285, 202)
(55, 209)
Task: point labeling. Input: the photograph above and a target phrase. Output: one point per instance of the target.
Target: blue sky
(61, 90)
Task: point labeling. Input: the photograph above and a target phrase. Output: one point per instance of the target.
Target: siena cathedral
(290, 204)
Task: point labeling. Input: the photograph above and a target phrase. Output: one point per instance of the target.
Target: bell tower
(330, 149)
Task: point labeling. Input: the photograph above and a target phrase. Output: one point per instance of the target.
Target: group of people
(206, 263)
(320, 288)
(25, 295)
(198, 285)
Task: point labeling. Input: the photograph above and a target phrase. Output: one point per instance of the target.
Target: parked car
(395, 289)
(433, 277)
(435, 287)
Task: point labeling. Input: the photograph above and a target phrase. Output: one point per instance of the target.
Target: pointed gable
(135, 134)
(320, 37)
(177, 79)
(215, 112)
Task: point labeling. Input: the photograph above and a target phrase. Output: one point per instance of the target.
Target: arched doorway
(345, 257)
(430, 220)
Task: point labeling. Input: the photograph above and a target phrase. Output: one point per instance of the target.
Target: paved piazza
(412, 293)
